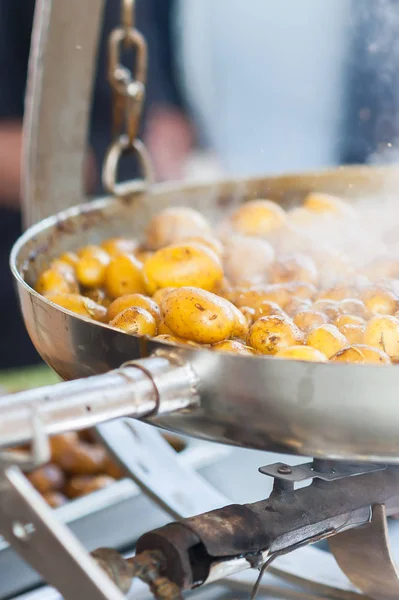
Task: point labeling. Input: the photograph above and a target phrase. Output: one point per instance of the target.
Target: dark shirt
(16, 18)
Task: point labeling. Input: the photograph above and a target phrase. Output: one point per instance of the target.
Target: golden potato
(161, 293)
(297, 305)
(382, 332)
(309, 319)
(62, 443)
(115, 246)
(135, 321)
(233, 347)
(360, 353)
(266, 308)
(293, 267)
(211, 243)
(348, 320)
(338, 293)
(99, 296)
(69, 257)
(240, 329)
(143, 255)
(94, 252)
(195, 314)
(130, 300)
(51, 281)
(174, 225)
(254, 295)
(353, 333)
(163, 330)
(47, 478)
(352, 306)
(97, 483)
(268, 335)
(90, 272)
(247, 259)
(65, 269)
(258, 218)
(328, 339)
(79, 305)
(249, 314)
(183, 265)
(380, 301)
(326, 203)
(124, 275)
(302, 289)
(302, 353)
(82, 459)
(55, 499)
(328, 307)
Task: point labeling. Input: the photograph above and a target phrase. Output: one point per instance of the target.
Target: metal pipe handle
(153, 386)
(60, 81)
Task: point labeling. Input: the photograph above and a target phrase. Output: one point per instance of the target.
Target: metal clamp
(324, 470)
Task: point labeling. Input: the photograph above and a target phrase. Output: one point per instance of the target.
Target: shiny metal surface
(322, 410)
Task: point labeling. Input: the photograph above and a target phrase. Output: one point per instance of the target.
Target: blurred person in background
(290, 86)
(165, 126)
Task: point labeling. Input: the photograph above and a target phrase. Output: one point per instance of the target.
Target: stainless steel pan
(323, 410)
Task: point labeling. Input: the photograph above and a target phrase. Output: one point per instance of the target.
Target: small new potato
(174, 225)
(240, 329)
(382, 332)
(328, 307)
(183, 265)
(268, 335)
(47, 478)
(233, 347)
(94, 252)
(297, 305)
(361, 354)
(254, 295)
(247, 259)
(159, 295)
(90, 271)
(338, 293)
(99, 296)
(380, 301)
(353, 333)
(309, 319)
(293, 267)
(266, 308)
(82, 459)
(348, 320)
(69, 257)
(302, 289)
(130, 300)
(124, 275)
(352, 306)
(135, 321)
(328, 339)
(55, 499)
(212, 243)
(79, 305)
(258, 218)
(195, 314)
(326, 203)
(51, 281)
(306, 353)
(116, 246)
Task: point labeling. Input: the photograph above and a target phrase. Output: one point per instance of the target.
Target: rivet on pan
(284, 470)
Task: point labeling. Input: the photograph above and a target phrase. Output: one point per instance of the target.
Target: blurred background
(234, 87)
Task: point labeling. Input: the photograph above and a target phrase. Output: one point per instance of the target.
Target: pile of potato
(264, 282)
(79, 466)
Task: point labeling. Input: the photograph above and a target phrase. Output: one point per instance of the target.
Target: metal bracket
(327, 471)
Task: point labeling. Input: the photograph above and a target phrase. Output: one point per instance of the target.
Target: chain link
(128, 95)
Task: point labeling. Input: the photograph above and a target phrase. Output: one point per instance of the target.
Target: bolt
(284, 470)
(20, 532)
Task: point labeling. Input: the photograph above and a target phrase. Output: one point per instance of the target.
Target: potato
(328, 339)
(353, 333)
(70, 257)
(352, 306)
(297, 305)
(328, 307)
(257, 218)
(382, 332)
(59, 444)
(97, 483)
(51, 281)
(47, 478)
(249, 314)
(326, 203)
(131, 300)
(175, 224)
(163, 330)
(247, 259)
(112, 469)
(94, 251)
(55, 499)
(211, 243)
(362, 354)
(240, 329)
(90, 272)
(74, 488)
(268, 335)
(183, 265)
(82, 459)
(233, 347)
(79, 305)
(135, 321)
(306, 353)
(293, 267)
(301, 216)
(338, 293)
(348, 320)
(143, 255)
(161, 293)
(197, 315)
(116, 246)
(309, 319)
(254, 295)
(99, 296)
(302, 289)
(380, 301)
(124, 275)
(266, 308)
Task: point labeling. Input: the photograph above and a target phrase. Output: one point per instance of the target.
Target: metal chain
(147, 566)
(128, 95)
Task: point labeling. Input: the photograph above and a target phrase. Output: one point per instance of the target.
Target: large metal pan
(323, 410)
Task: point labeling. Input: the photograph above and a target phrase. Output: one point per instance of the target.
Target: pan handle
(61, 73)
(161, 384)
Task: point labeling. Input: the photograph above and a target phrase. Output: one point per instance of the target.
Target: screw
(20, 532)
(284, 470)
